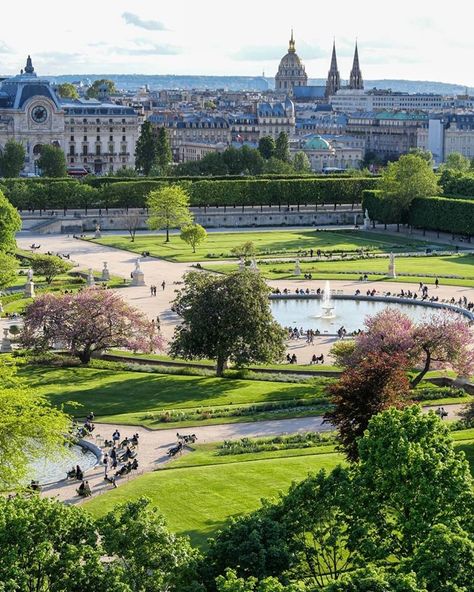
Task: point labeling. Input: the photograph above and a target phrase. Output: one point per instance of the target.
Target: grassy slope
(220, 244)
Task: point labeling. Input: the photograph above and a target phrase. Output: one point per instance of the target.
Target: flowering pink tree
(442, 339)
(89, 321)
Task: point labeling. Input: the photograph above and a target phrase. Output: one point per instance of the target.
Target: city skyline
(412, 42)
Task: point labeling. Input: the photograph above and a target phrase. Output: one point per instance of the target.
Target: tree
(145, 150)
(10, 224)
(409, 479)
(147, 556)
(232, 583)
(403, 181)
(48, 546)
(377, 382)
(246, 250)
(282, 147)
(375, 579)
(266, 147)
(193, 235)
(30, 428)
(457, 162)
(95, 89)
(66, 90)
(169, 208)
(163, 150)
(49, 266)
(251, 161)
(52, 161)
(316, 513)
(301, 162)
(126, 172)
(87, 322)
(12, 159)
(424, 154)
(275, 166)
(226, 319)
(132, 222)
(8, 270)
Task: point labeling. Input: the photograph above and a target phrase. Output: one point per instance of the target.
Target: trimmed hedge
(444, 214)
(457, 184)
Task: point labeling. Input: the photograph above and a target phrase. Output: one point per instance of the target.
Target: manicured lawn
(270, 243)
(198, 500)
(459, 265)
(138, 398)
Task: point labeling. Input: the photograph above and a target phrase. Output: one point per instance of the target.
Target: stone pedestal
(297, 268)
(29, 291)
(90, 277)
(105, 273)
(138, 277)
(97, 233)
(6, 345)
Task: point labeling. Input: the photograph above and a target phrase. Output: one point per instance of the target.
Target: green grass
(135, 397)
(460, 265)
(197, 501)
(270, 243)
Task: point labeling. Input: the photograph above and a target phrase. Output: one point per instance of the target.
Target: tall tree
(403, 181)
(168, 208)
(378, 382)
(52, 161)
(301, 162)
(94, 90)
(193, 235)
(145, 151)
(227, 319)
(163, 151)
(282, 147)
(87, 322)
(12, 159)
(66, 90)
(30, 428)
(457, 162)
(8, 270)
(375, 579)
(10, 224)
(50, 266)
(266, 147)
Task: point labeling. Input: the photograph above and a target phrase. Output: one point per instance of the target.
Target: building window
(84, 150)
(111, 138)
(85, 138)
(72, 138)
(97, 150)
(71, 150)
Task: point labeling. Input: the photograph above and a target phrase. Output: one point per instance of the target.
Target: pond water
(308, 313)
(50, 471)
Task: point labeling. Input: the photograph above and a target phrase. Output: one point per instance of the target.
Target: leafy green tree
(10, 224)
(168, 208)
(301, 162)
(12, 159)
(275, 166)
(232, 158)
(193, 235)
(425, 154)
(212, 164)
(409, 479)
(251, 161)
(52, 161)
(232, 583)
(375, 579)
(266, 147)
(402, 181)
(66, 90)
(163, 150)
(145, 150)
(127, 172)
(95, 89)
(246, 250)
(227, 319)
(8, 270)
(444, 562)
(457, 162)
(316, 513)
(50, 266)
(48, 546)
(30, 428)
(147, 556)
(378, 382)
(282, 147)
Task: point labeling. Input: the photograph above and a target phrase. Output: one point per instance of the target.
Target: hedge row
(60, 194)
(457, 184)
(430, 213)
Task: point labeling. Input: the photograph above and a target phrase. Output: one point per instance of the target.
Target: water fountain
(327, 305)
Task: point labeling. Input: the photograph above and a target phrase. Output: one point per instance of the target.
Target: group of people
(317, 359)
(153, 288)
(341, 332)
(291, 359)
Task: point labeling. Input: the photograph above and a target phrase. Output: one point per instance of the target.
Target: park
(201, 372)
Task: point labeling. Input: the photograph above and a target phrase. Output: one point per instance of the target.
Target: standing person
(163, 284)
(116, 437)
(437, 283)
(113, 456)
(105, 462)
(151, 290)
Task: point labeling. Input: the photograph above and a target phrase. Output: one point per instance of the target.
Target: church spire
(355, 81)
(333, 83)
(291, 47)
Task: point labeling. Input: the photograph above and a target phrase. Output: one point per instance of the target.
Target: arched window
(37, 150)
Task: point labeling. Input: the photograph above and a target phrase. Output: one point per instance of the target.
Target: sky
(409, 39)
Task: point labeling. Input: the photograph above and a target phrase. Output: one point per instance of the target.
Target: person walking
(163, 284)
(105, 462)
(437, 283)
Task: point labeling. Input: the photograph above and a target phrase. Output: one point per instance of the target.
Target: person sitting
(135, 464)
(134, 439)
(314, 359)
(84, 489)
(71, 474)
(288, 358)
(111, 480)
(35, 485)
(91, 416)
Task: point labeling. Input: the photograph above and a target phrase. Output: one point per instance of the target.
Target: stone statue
(97, 234)
(138, 277)
(391, 266)
(29, 274)
(253, 266)
(241, 263)
(105, 273)
(90, 277)
(29, 290)
(297, 267)
(6, 345)
(366, 220)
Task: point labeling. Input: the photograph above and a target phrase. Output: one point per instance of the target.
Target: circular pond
(309, 314)
(49, 471)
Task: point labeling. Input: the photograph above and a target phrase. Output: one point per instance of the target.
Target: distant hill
(158, 82)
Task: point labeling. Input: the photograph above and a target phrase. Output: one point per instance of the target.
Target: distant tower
(291, 71)
(333, 83)
(356, 82)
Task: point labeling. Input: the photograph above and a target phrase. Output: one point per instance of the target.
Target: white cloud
(133, 19)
